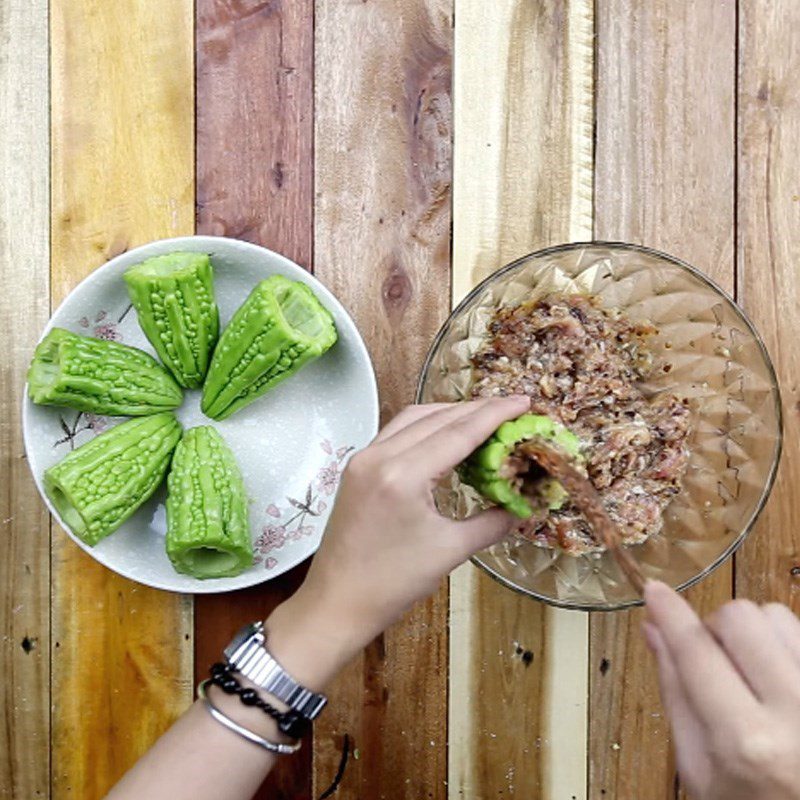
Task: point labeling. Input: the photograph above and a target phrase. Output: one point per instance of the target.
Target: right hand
(731, 689)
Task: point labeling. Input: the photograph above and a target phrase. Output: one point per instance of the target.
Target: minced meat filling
(583, 366)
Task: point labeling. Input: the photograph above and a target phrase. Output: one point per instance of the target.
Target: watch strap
(248, 654)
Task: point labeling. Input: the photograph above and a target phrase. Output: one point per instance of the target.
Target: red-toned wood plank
(254, 181)
(382, 240)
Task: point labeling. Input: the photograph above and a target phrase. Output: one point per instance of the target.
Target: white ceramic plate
(291, 444)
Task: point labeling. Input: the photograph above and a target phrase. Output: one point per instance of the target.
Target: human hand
(386, 546)
(731, 689)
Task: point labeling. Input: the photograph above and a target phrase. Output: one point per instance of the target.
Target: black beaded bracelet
(289, 722)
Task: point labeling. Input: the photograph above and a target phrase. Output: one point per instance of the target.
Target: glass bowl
(718, 361)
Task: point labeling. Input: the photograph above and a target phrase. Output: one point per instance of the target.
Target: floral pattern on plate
(296, 519)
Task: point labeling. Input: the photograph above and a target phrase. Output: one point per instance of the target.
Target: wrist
(310, 640)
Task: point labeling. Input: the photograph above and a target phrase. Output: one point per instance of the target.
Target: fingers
(479, 532)
(754, 646)
(787, 627)
(408, 416)
(688, 732)
(711, 682)
(442, 440)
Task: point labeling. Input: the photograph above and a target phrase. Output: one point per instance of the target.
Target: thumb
(484, 529)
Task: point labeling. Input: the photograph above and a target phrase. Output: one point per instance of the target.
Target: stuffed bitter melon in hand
(173, 296)
(99, 376)
(208, 535)
(101, 483)
(502, 473)
(279, 328)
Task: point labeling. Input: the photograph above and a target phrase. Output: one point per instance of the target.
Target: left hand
(386, 546)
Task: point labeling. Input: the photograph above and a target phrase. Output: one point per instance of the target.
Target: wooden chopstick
(587, 499)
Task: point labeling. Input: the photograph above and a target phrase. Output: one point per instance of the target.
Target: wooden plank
(522, 180)
(122, 174)
(255, 71)
(382, 237)
(768, 252)
(24, 307)
(664, 177)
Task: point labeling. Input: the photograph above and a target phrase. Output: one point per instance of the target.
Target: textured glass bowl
(718, 362)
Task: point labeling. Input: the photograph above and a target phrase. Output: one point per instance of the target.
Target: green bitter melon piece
(483, 469)
(99, 376)
(101, 483)
(207, 530)
(277, 330)
(173, 296)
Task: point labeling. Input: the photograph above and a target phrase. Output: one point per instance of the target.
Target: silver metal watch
(247, 653)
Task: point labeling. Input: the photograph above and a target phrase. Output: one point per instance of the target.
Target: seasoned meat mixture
(583, 366)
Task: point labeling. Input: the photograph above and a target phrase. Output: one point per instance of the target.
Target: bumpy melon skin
(99, 376)
(482, 469)
(208, 534)
(173, 295)
(278, 329)
(100, 484)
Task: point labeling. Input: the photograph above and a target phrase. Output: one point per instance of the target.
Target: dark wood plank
(769, 280)
(665, 178)
(254, 182)
(122, 174)
(382, 241)
(24, 307)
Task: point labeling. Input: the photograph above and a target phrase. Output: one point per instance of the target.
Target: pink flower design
(272, 537)
(328, 478)
(326, 446)
(321, 506)
(107, 331)
(270, 563)
(302, 530)
(95, 423)
(273, 510)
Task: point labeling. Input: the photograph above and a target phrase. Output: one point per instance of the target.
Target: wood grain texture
(382, 237)
(665, 178)
(522, 180)
(769, 280)
(122, 174)
(24, 307)
(254, 101)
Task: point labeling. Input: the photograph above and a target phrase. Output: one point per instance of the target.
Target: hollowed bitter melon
(207, 529)
(99, 376)
(278, 329)
(520, 488)
(101, 483)
(173, 296)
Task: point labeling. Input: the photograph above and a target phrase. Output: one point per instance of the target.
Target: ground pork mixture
(583, 366)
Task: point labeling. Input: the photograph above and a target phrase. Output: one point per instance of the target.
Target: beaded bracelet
(271, 747)
(290, 722)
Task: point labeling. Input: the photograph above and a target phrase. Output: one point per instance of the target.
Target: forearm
(199, 759)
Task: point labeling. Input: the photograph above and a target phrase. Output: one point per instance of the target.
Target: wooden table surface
(402, 150)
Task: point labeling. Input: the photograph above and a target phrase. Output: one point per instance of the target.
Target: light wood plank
(255, 136)
(664, 178)
(382, 236)
(522, 180)
(24, 307)
(768, 255)
(122, 174)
